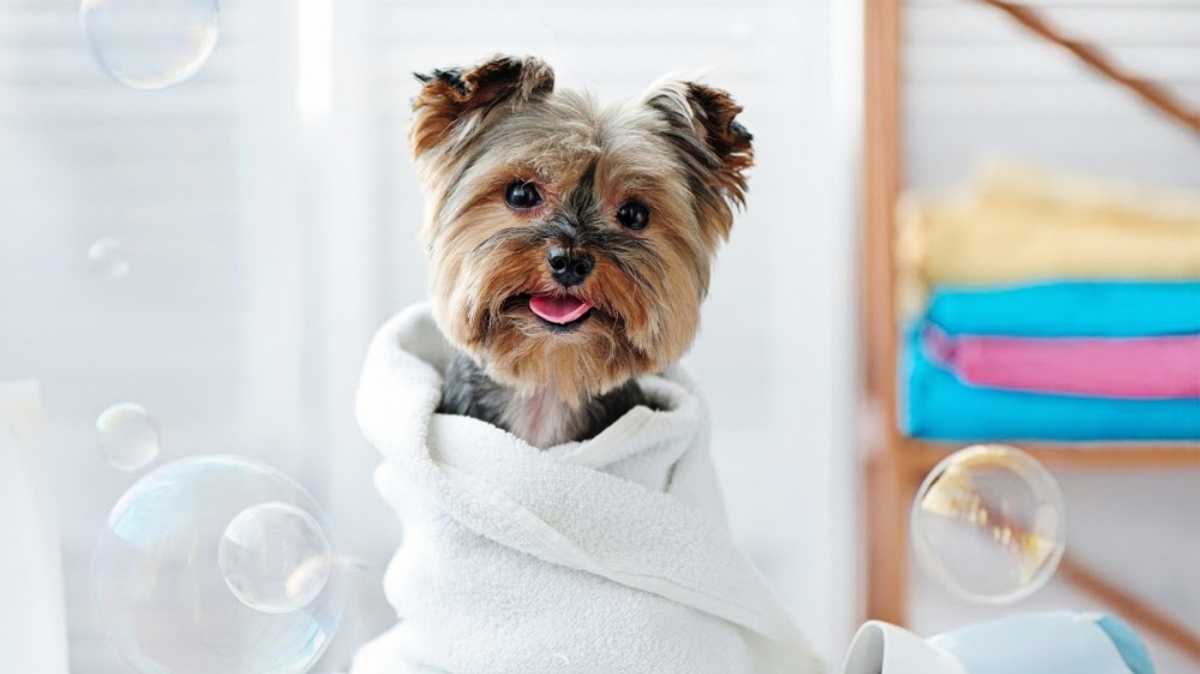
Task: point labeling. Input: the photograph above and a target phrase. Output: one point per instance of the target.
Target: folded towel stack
(1051, 308)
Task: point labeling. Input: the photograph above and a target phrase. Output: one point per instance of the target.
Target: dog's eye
(522, 195)
(634, 215)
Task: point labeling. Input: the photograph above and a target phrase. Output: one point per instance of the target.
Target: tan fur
(678, 151)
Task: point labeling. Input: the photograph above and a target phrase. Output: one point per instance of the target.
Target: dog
(570, 243)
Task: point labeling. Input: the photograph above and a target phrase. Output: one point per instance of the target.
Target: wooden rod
(881, 188)
(886, 487)
(1150, 92)
(1131, 608)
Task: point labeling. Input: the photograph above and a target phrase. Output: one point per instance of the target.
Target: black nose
(570, 268)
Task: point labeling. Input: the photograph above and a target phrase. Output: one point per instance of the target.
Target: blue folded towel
(940, 407)
(1070, 309)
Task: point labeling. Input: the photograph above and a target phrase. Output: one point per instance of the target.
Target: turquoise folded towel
(1069, 309)
(938, 406)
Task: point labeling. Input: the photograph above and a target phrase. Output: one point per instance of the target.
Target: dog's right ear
(453, 101)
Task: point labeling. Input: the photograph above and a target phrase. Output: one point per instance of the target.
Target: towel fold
(1018, 225)
(609, 555)
(1148, 367)
(938, 406)
(1069, 309)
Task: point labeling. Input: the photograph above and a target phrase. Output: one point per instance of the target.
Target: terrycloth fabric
(936, 405)
(1147, 367)
(605, 556)
(1069, 309)
(1021, 225)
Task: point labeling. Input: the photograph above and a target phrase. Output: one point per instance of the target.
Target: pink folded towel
(1147, 367)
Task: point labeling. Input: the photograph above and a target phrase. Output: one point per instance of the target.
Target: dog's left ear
(452, 101)
(702, 124)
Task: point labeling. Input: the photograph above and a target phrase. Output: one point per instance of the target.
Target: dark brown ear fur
(712, 143)
(716, 111)
(450, 97)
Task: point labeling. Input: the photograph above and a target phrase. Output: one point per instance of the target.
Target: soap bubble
(108, 259)
(275, 557)
(165, 604)
(150, 44)
(128, 436)
(988, 523)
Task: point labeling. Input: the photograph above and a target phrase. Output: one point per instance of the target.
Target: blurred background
(220, 251)
(1050, 125)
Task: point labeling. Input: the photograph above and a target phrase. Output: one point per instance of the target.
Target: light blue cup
(1059, 642)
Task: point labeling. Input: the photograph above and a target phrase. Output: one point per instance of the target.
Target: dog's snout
(569, 268)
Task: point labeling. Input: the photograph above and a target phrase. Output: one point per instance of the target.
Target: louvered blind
(263, 248)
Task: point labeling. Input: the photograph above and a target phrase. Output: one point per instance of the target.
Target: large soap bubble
(988, 523)
(150, 44)
(166, 604)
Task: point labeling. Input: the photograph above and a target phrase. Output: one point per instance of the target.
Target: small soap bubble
(128, 436)
(275, 557)
(561, 659)
(108, 259)
(150, 44)
(989, 523)
(163, 599)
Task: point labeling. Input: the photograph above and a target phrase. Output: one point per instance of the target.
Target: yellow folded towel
(1002, 181)
(1017, 224)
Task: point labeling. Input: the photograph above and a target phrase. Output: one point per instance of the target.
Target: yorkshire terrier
(569, 243)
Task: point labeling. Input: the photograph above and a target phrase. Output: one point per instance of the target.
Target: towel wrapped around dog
(609, 555)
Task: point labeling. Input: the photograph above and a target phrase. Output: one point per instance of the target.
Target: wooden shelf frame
(895, 464)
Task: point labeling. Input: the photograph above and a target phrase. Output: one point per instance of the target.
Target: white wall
(267, 245)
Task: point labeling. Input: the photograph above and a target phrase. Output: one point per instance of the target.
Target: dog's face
(570, 244)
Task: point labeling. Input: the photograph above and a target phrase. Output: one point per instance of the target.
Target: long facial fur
(678, 150)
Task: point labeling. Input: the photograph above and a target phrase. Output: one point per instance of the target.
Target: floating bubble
(165, 604)
(988, 523)
(275, 557)
(561, 659)
(150, 44)
(128, 436)
(108, 259)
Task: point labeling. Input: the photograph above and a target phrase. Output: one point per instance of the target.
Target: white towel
(606, 556)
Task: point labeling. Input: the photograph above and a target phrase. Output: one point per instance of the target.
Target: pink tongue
(559, 310)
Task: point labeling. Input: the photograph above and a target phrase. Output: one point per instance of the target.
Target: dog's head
(570, 243)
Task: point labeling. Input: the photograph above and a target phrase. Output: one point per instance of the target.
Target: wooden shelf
(924, 454)
(896, 464)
